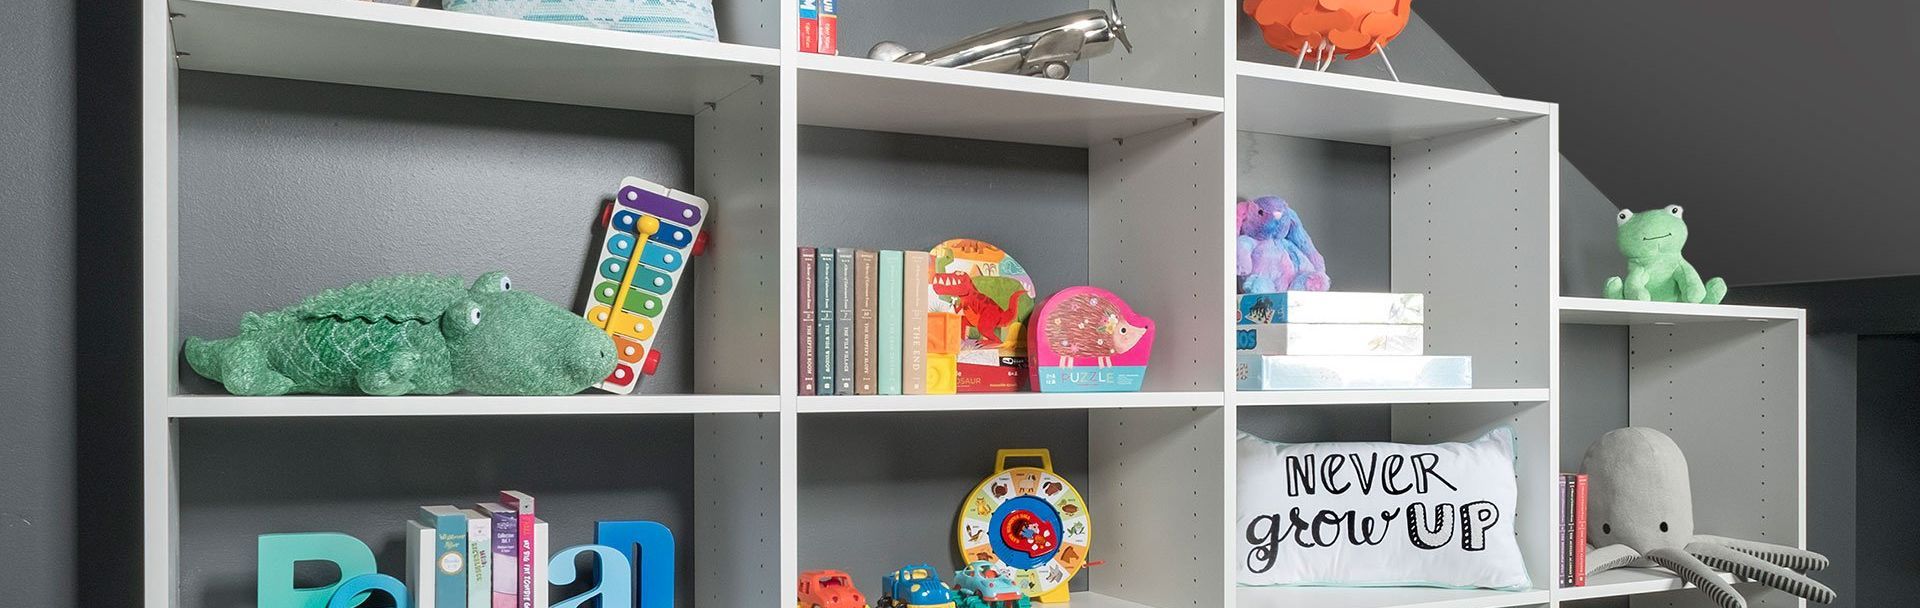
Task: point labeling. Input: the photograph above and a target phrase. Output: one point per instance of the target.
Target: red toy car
(829, 589)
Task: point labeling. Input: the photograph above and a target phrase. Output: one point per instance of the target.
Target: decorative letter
(278, 554)
(361, 586)
(649, 546)
(1476, 518)
(615, 573)
(1430, 530)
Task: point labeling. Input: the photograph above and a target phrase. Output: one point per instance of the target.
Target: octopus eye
(1663, 526)
(1606, 529)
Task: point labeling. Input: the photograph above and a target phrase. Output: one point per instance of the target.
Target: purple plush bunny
(1274, 252)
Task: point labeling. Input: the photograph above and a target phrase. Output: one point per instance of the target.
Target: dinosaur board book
(978, 301)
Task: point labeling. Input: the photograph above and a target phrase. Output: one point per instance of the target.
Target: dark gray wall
(1833, 456)
(69, 450)
(1889, 468)
(1774, 122)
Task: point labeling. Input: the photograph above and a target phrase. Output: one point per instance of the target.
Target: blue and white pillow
(690, 19)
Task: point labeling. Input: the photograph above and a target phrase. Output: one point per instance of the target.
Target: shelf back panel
(736, 319)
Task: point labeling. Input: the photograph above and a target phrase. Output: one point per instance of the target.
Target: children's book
(843, 319)
(824, 322)
(522, 505)
(809, 26)
(979, 304)
(506, 554)
(866, 321)
(479, 559)
(891, 274)
(449, 549)
(829, 27)
(913, 322)
(809, 366)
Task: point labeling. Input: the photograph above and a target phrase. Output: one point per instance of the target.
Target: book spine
(1580, 530)
(892, 273)
(843, 317)
(450, 559)
(809, 26)
(1566, 531)
(479, 560)
(506, 555)
(913, 313)
(829, 27)
(540, 553)
(866, 321)
(824, 322)
(522, 506)
(809, 370)
(420, 560)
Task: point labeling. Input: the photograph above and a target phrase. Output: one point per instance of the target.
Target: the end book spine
(824, 322)
(809, 371)
(913, 312)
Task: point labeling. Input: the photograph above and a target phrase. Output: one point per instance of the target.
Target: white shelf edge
(1281, 73)
(506, 28)
(1386, 597)
(1105, 93)
(1091, 599)
(1366, 397)
(1629, 581)
(982, 402)
(331, 406)
(1604, 311)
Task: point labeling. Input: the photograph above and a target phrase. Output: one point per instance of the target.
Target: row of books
(491, 556)
(1573, 530)
(820, 27)
(1338, 339)
(863, 321)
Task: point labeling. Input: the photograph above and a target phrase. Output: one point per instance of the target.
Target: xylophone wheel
(652, 363)
(606, 214)
(700, 243)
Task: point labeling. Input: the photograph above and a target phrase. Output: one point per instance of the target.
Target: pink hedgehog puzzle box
(650, 231)
(1087, 340)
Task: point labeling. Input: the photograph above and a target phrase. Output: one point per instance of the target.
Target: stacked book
(1573, 530)
(1334, 340)
(491, 556)
(863, 321)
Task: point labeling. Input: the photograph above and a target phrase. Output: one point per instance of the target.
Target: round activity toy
(1029, 522)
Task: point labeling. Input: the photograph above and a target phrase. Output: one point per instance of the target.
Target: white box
(1330, 307)
(1330, 339)
(1283, 372)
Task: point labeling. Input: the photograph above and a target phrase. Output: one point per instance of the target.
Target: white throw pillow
(1378, 514)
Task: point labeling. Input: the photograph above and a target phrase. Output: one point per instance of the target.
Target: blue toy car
(914, 587)
(980, 585)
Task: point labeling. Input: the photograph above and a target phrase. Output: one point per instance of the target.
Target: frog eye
(1675, 210)
(473, 317)
(1623, 216)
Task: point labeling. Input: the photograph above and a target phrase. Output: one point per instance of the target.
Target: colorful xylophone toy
(661, 227)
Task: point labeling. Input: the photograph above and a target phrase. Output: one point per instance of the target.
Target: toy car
(980, 585)
(829, 589)
(914, 587)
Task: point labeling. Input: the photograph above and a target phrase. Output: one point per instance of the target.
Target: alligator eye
(1675, 210)
(473, 316)
(1623, 216)
(1663, 526)
(1606, 529)
(506, 284)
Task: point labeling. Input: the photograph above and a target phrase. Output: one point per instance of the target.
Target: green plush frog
(420, 334)
(1651, 240)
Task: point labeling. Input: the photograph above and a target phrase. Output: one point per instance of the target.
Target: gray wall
(69, 456)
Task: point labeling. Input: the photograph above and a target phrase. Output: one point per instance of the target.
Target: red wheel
(700, 243)
(652, 363)
(606, 214)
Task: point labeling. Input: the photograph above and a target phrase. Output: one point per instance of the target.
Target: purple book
(506, 554)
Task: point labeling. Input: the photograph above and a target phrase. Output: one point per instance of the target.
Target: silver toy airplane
(1034, 48)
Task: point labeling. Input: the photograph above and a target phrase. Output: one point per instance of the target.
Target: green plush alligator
(402, 335)
(1651, 240)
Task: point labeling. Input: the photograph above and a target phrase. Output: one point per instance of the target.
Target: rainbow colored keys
(660, 228)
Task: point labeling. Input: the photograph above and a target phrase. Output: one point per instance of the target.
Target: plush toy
(1651, 240)
(1640, 514)
(410, 334)
(1275, 254)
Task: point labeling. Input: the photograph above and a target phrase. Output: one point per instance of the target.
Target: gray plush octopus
(1640, 514)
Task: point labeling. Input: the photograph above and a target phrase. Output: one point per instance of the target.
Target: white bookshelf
(1474, 225)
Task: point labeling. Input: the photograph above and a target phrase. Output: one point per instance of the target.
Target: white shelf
(1629, 581)
(1602, 311)
(1089, 599)
(1384, 597)
(400, 47)
(1284, 100)
(294, 406)
(982, 402)
(857, 93)
(1367, 397)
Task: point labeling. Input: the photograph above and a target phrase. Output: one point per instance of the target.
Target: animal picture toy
(1322, 30)
(978, 303)
(1640, 503)
(1029, 535)
(916, 586)
(1089, 325)
(415, 334)
(829, 589)
(1043, 48)
(660, 227)
(1273, 252)
(1651, 241)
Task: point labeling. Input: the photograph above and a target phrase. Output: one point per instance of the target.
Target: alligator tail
(203, 357)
